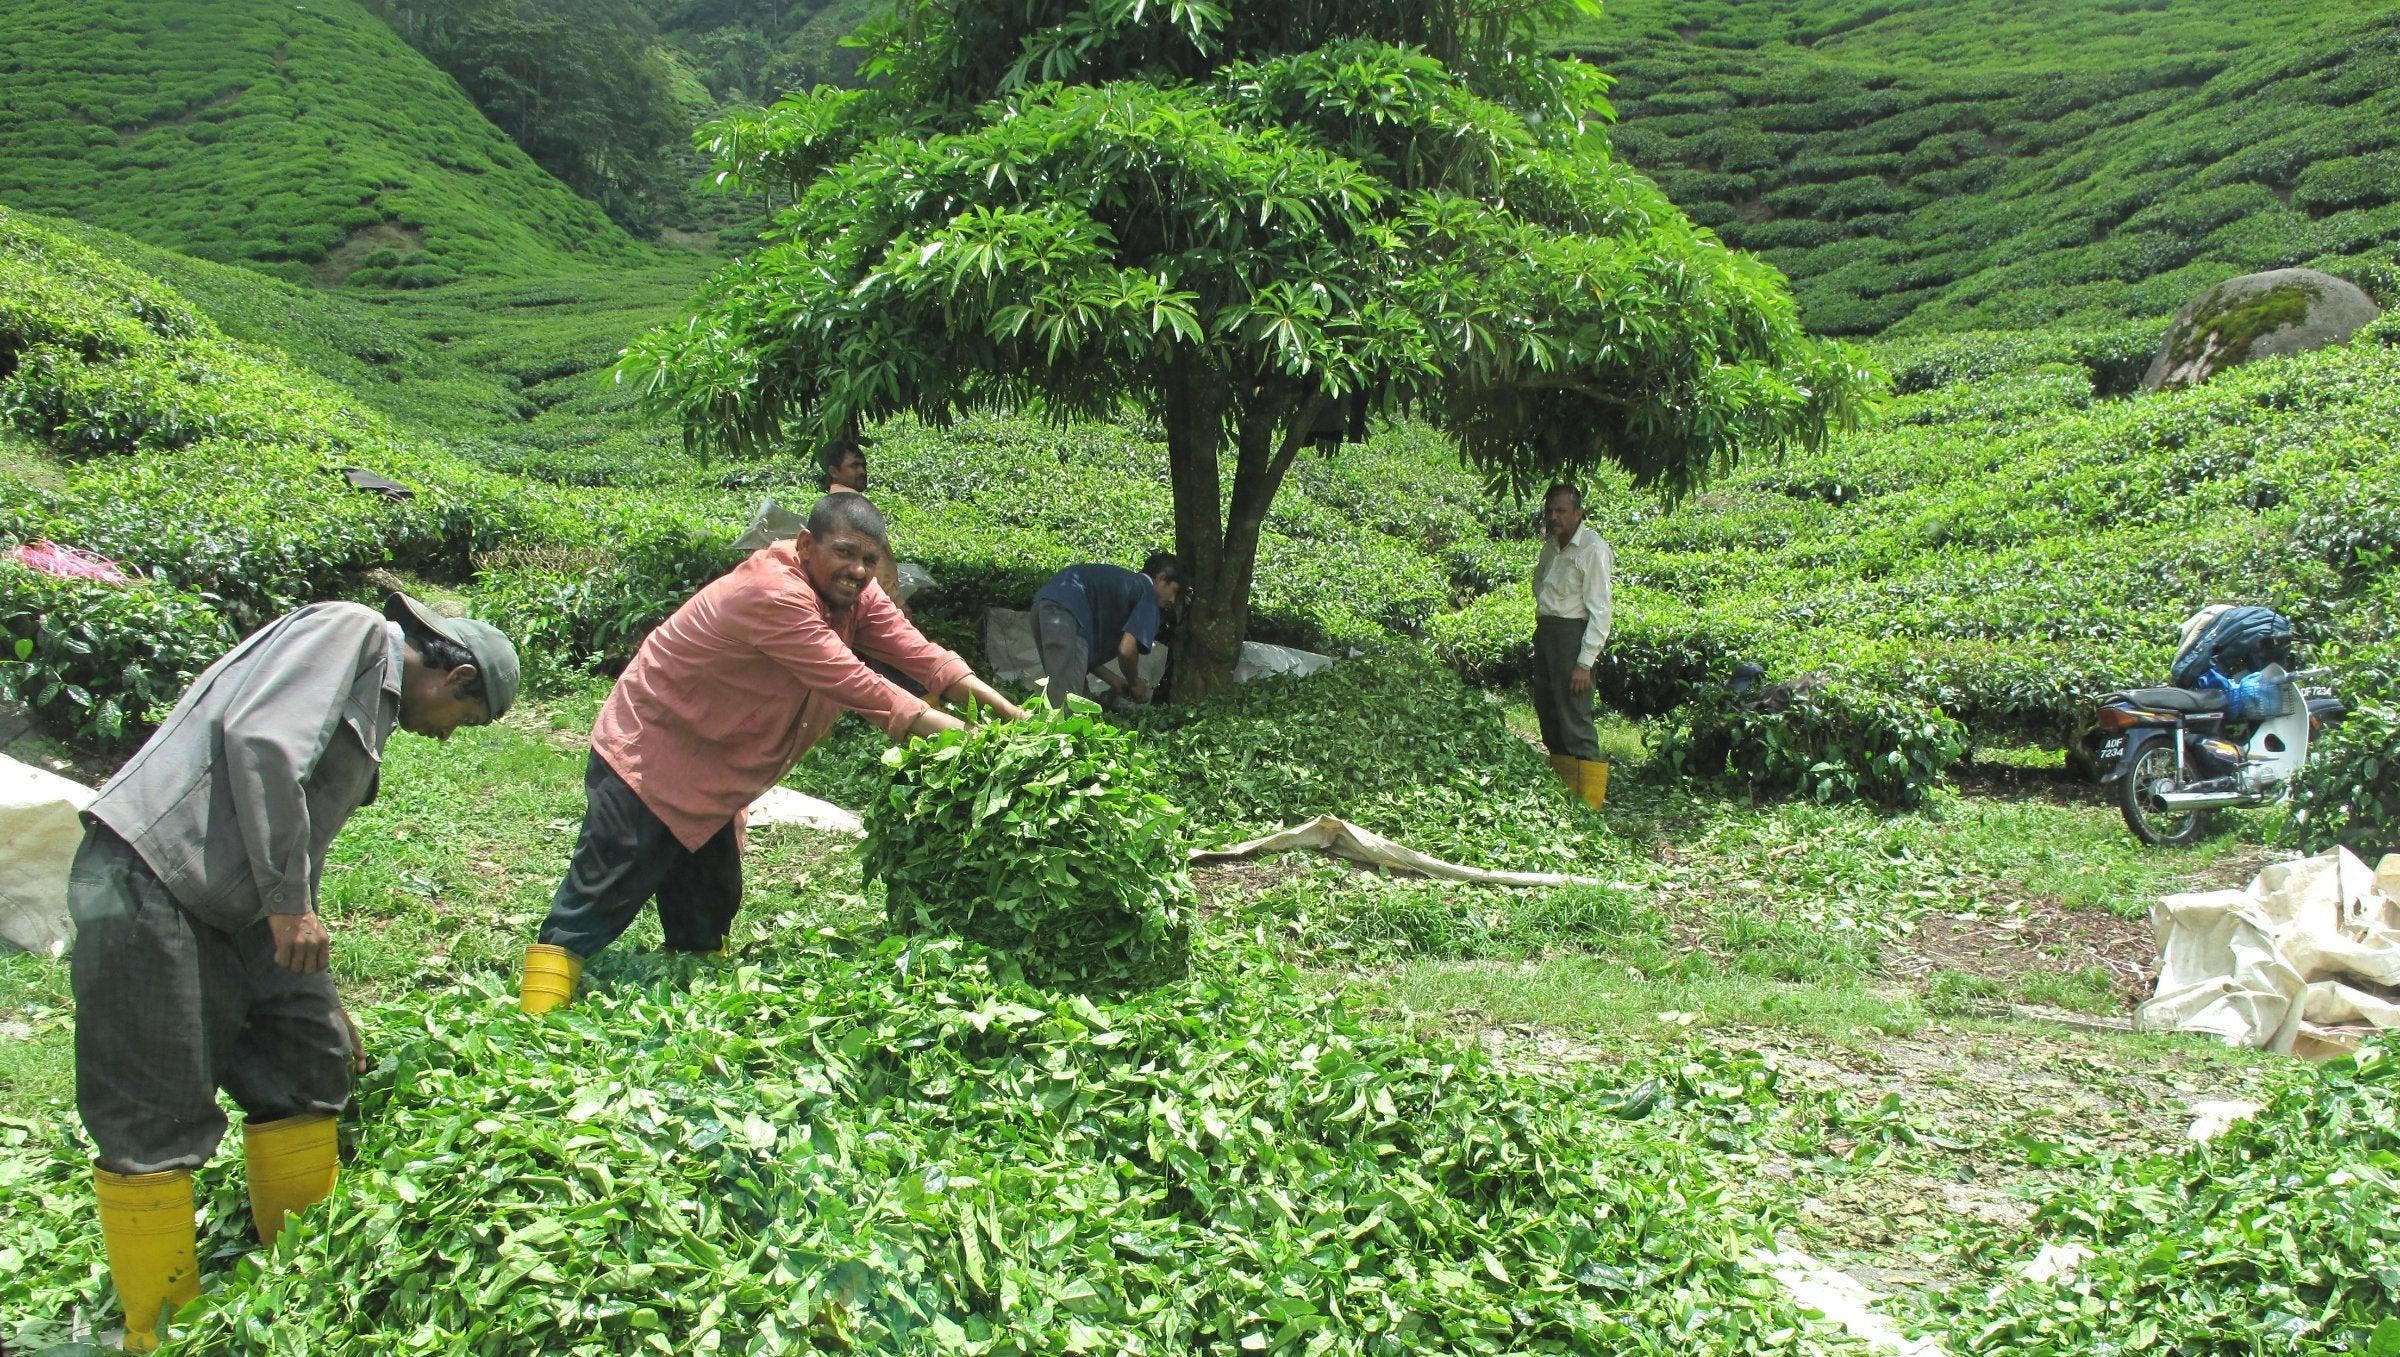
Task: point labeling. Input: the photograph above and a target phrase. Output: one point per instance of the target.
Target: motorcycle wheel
(2152, 823)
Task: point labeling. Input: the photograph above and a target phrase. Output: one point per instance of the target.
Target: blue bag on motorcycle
(2252, 697)
(2234, 640)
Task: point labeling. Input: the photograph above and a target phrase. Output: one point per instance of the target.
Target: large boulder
(2258, 315)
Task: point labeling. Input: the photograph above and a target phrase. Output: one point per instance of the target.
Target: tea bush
(100, 660)
(1829, 737)
(1043, 839)
(1393, 742)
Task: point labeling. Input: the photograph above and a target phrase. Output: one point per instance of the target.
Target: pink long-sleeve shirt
(726, 695)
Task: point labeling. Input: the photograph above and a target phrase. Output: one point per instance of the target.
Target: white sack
(39, 832)
(2312, 943)
(1343, 839)
(783, 806)
(1262, 661)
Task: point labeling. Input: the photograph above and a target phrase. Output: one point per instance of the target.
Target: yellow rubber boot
(551, 974)
(1591, 782)
(292, 1165)
(1565, 768)
(146, 1221)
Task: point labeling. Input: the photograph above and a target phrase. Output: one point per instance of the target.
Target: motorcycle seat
(2186, 700)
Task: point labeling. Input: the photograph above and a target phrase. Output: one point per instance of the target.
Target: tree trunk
(1216, 537)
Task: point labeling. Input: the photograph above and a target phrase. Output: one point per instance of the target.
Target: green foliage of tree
(578, 83)
(286, 138)
(1262, 224)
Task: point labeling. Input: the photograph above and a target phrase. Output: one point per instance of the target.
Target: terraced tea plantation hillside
(306, 141)
(1939, 166)
(1844, 990)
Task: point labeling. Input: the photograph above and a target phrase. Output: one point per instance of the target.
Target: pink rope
(68, 563)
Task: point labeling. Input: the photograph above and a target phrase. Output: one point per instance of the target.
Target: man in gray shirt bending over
(1088, 615)
(200, 961)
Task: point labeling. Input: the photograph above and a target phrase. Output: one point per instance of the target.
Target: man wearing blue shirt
(1088, 615)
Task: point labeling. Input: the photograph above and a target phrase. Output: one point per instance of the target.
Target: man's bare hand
(1580, 681)
(931, 721)
(302, 946)
(1138, 691)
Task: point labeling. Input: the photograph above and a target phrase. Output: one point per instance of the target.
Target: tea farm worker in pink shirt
(719, 703)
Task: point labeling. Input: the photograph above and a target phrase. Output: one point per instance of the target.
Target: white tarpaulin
(1335, 835)
(2311, 947)
(39, 831)
(1012, 657)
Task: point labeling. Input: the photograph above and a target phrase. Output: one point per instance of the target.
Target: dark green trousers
(168, 1010)
(1566, 718)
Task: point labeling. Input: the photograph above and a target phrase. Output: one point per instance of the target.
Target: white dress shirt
(1573, 582)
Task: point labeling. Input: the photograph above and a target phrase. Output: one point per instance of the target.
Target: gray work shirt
(233, 801)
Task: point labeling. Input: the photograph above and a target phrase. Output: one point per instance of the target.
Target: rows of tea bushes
(2006, 541)
(2004, 544)
(1925, 168)
(212, 470)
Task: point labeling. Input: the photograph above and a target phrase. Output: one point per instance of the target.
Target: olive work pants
(625, 857)
(1566, 717)
(168, 1010)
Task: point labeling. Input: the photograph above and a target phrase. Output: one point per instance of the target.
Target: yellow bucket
(550, 975)
(292, 1165)
(146, 1222)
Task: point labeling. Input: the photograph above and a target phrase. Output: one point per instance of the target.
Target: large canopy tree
(1246, 216)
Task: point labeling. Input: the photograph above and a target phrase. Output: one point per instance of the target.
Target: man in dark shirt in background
(1088, 615)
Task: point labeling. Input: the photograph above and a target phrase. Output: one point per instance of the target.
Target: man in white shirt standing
(1571, 617)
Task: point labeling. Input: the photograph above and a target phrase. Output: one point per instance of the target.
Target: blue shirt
(1107, 601)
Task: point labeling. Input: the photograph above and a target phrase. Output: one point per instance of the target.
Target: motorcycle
(2178, 755)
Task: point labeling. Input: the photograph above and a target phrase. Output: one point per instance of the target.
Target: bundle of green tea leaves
(1042, 839)
(896, 1150)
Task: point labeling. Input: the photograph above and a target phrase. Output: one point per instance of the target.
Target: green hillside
(1944, 165)
(305, 140)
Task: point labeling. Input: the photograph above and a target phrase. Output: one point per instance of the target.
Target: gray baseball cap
(495, 658)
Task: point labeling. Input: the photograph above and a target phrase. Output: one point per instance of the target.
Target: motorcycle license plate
(2111, 749)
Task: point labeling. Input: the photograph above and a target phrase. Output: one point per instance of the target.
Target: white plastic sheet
(39, 832)
(1335, 835)
(2311, 948)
